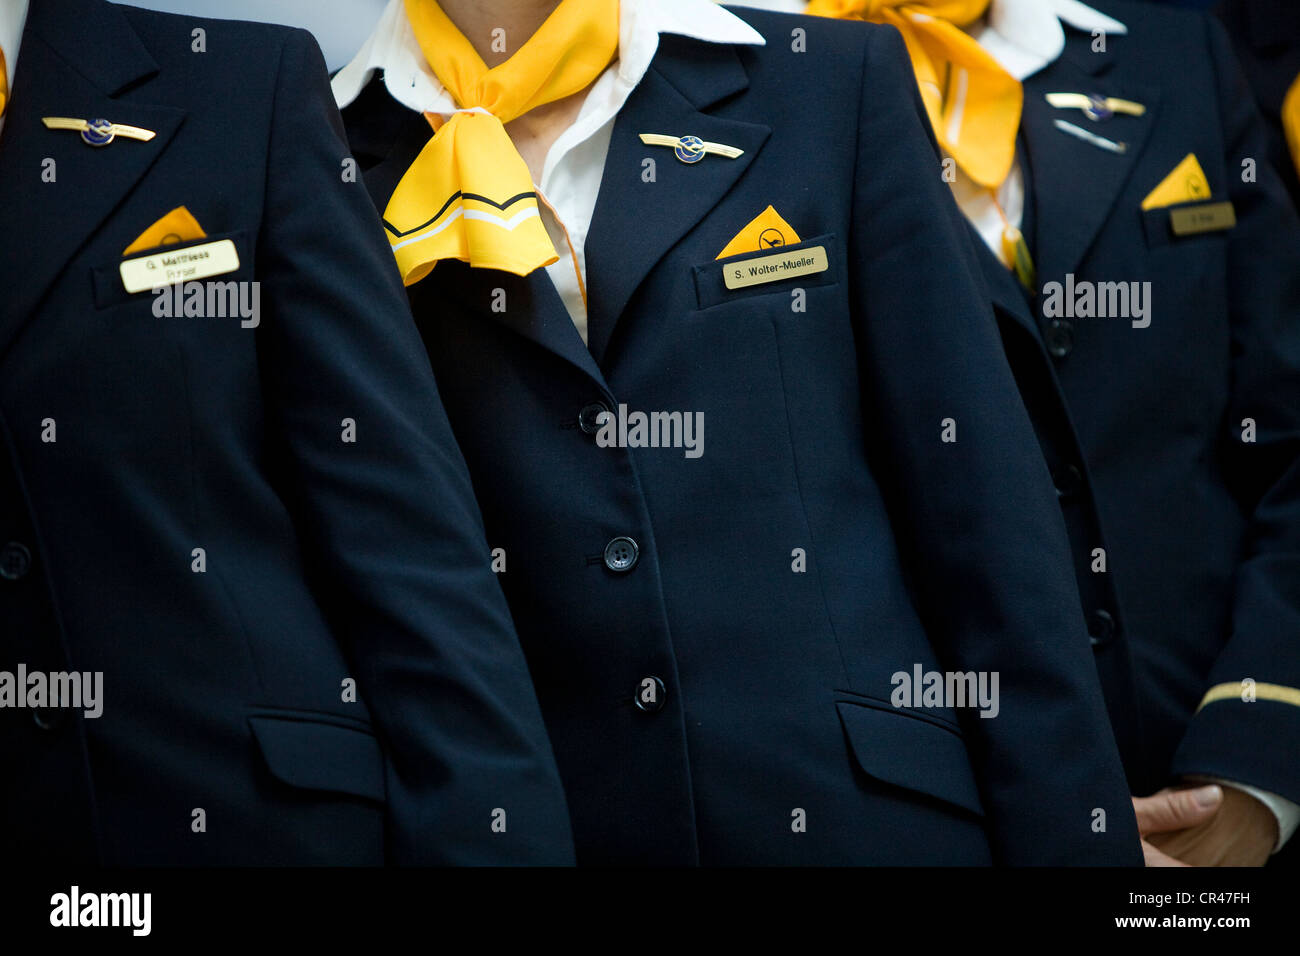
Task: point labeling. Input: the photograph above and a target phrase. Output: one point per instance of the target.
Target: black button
(1059, 338)
(621, 554)
(48, 718)
(650, 694)
(1068, 481)
(1101, 628)
(15, 561)
(589, 417)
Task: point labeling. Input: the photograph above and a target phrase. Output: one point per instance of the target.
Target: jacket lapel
(386, 137)
(636, 222)
(76, 58)
(532, 308)
(1075, 184)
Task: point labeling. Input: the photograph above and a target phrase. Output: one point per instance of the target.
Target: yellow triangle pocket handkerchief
(177, 226)
(1186, 183)
(765, 233)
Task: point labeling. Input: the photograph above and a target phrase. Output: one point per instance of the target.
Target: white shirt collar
(13, 13)
(392, 47)
(1023, 35)
(1026, 35)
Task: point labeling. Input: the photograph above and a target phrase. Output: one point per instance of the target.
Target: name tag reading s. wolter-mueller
(181, 265)
(772, 268)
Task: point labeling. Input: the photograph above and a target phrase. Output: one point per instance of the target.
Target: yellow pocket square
(177, 226)
(1186, 183)
(765, 233)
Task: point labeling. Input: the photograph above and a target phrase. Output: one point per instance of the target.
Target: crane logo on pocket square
(1186, 182)
(766, 232)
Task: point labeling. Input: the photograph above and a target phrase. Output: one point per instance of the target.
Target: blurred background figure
(1266, 36)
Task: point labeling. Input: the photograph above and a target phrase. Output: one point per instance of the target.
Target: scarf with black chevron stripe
(469, 195)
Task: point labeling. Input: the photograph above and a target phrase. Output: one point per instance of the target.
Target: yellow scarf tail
(973, 103)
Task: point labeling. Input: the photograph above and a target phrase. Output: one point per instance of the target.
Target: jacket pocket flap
(314, 755)
(911, 752)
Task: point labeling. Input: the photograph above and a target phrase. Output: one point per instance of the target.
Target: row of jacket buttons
(621, 553)
(621, 556)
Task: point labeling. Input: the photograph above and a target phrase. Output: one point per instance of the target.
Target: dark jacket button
(1101, 628)
(1059, 338)
(589, 417)
(621, 554)
(650, 694)
(1068, 481)
(15, 561)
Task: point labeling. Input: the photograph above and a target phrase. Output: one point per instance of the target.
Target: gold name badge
(780, 265)
(182, 265)
(1207, 218)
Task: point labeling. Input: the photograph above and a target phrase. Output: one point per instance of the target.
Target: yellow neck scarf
(1291, 122)
(469, 195)
(974, 104)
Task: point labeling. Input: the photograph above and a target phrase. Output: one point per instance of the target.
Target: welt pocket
(711, 283)
(110, 291)
(316, 751)
(924, 753)
(1158, 224)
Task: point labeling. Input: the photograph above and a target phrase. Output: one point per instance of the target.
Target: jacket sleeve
(1247, 728)
(978, 516)
(390, 518)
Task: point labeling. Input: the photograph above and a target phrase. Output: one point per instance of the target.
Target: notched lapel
(1075, 184)
(57, 190)
(528, 305)
(636, 222)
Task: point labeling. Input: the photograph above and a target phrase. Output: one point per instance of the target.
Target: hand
(1173, 812)
(1242, 832)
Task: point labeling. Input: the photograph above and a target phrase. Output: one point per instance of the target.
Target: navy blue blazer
(710, 700)
(1199, 513)
(324, 561)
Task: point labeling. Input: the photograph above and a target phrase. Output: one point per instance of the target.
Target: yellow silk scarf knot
(469, 194)
(973, 103)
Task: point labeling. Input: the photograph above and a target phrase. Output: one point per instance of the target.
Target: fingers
(1155, 857)
(1176, 809)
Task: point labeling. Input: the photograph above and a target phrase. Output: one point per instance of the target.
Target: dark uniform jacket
(1180, 450)
(321, 561)
(708, 700)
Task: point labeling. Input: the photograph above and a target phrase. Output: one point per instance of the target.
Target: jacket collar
(637, 221)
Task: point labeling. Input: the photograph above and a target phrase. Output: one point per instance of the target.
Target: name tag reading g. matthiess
(779, 265)
(182, 265)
